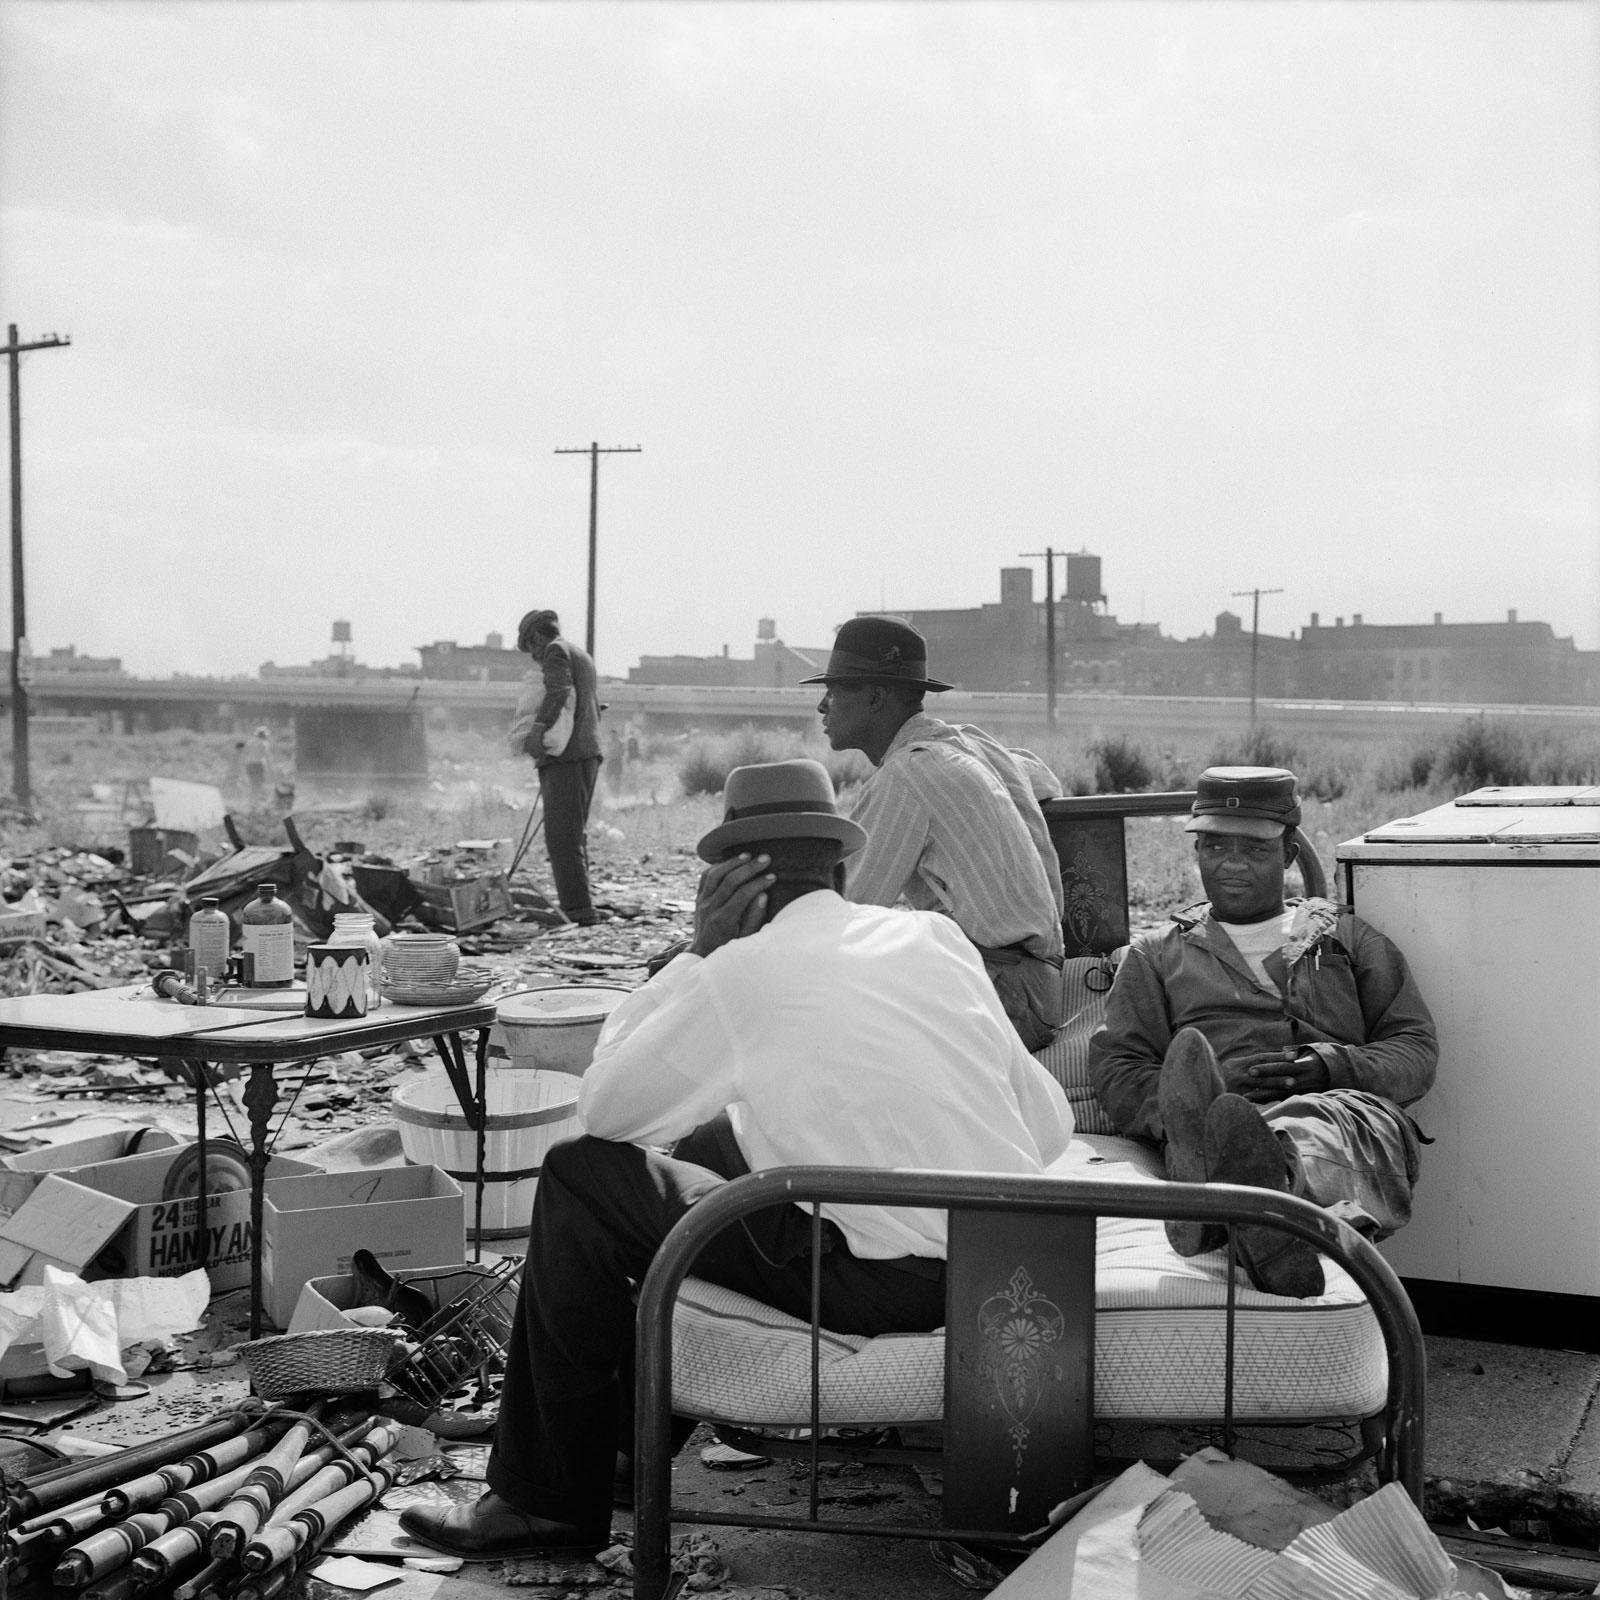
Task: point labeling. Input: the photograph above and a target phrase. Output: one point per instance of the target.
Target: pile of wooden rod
(228, 1510)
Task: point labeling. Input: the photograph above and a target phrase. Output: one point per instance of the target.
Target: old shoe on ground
(1190, 1081)
(492, 1529)
(1241, 1148)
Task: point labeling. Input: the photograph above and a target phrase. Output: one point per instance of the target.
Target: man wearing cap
(559, 726)
(836, 1035)
(952, 820)
(1266, 1041)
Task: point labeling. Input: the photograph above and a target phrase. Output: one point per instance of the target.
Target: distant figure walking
(258, 767)
(562, 734)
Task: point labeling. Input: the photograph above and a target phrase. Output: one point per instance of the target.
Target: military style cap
(1259, 802)
(780, 800)
(878, 650)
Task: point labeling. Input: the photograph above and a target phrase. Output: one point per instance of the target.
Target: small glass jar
(359, 928)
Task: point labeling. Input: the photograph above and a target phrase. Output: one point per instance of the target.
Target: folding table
(133, 1021)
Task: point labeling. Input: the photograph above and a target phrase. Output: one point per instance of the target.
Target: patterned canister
(336, 981)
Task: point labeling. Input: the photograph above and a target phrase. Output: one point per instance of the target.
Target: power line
(594, 452)
(21, 673)
(1255, 638)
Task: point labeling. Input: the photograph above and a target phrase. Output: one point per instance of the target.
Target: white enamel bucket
(555, 1029)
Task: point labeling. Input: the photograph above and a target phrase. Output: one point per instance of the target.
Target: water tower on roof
(341, 639)
(1083, 578)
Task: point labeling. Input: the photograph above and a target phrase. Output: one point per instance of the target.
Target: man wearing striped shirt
(952, 821)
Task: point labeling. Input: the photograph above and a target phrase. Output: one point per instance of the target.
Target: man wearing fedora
(836, 1035)
(952, 821)
(1268, 1042)
(558, 724)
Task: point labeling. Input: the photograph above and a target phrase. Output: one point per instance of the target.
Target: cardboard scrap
(350, 1572)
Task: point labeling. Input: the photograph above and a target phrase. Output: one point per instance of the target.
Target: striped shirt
(953, 826)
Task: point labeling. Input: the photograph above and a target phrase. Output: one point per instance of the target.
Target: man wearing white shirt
(833, 1034)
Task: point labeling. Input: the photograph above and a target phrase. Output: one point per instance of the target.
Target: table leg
(483, 1125)
(202, 1252)
(474, 1105)
(260, 1096)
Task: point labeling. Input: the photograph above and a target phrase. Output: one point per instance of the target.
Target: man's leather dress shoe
(492, 1529)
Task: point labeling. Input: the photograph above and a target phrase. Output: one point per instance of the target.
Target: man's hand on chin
(731, 902)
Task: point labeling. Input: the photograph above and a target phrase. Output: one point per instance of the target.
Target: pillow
(1085, 983)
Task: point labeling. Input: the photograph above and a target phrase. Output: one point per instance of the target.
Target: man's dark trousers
(567, 788)
(600, 1212)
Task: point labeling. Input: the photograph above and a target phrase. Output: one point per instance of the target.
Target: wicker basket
(328, 1361)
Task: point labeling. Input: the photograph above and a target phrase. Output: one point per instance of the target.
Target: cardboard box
(61, 1224)
(112, 1145)
(324, 1301)
(406, 1216)
(159, 1238)
(464, 905)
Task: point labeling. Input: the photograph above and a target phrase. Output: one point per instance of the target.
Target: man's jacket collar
(1314, 920)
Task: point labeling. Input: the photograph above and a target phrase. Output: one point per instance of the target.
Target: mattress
(1159, 1340)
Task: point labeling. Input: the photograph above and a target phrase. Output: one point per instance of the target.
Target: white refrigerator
(1494, 900)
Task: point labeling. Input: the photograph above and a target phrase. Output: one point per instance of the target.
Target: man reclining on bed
(1268, 1042)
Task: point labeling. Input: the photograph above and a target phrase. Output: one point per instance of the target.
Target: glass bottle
(208, 940)
(268, 935)
(360, 929)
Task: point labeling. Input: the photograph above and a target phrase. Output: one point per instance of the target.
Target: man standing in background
(561, 731)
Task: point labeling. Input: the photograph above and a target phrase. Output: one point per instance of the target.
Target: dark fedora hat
(878, 650)
(780, 800)
(542, 622)
(1259, 802)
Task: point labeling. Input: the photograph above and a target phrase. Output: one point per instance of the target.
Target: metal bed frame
(1399, 1455)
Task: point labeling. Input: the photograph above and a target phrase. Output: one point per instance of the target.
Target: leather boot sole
(1190, 1081)
(1241, 1148)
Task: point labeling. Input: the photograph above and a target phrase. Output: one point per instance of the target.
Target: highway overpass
(235, 704)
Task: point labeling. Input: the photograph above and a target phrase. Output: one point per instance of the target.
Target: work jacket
(1346, 993)
(569, 684)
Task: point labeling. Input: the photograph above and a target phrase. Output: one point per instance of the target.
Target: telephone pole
(594, 452)
(21, 672)
(1049, 554)
(1255, 638)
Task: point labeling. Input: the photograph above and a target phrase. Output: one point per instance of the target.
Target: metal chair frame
(1399, 1456)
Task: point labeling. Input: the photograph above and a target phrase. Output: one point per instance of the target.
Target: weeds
(1120, 766)
(705, 762)
(1483, 751)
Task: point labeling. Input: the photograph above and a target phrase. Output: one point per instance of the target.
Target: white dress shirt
(837, 1035)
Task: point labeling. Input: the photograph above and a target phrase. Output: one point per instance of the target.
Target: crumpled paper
(1144, 1538)
(88, 1325)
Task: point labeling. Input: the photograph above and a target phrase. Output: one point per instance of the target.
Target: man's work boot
(1241, 1148)
(1190, 1081)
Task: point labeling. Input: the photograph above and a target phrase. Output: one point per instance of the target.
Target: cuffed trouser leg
(567, 788)
(600, 1212)
(1355, 1154)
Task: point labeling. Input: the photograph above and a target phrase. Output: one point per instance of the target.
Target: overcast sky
(1302, 296)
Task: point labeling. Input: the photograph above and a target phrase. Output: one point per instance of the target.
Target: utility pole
(21, 674)
(1049, 555)
(594, 452)
(1255, 638)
